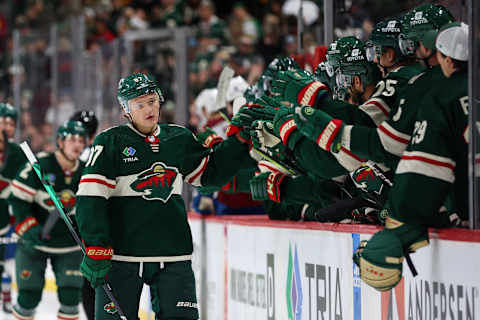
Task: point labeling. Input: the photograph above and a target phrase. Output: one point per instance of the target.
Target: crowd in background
(245, 34)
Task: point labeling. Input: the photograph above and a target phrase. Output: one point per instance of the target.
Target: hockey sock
(68, 312)
(29, 299)
(21, 313)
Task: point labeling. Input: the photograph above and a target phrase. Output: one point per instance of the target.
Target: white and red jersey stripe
(392, 140)
(195, 177)
(348, 159)
(22, 191)
(96, 185)
(427, 164)
(376, 109)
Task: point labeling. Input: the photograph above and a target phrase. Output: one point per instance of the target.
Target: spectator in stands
(190, 11)
(270, 45)
(243, 24)
(138, 18)
(101, 32)
(246, 62)
(210, 26)
(166, 15)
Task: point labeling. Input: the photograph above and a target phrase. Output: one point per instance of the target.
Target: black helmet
(88, 119)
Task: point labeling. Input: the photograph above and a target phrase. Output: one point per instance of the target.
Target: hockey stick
(222, 87)
(53, 195)
(379, 172)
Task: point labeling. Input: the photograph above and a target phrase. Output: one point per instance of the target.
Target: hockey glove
(251, 112)
(265, 100)
(96, 264)
(320, 127)
(298, 87)
(371, 186)
(209, 138)
(244, 118)
(286, 128)
(263, 136)
(30, 232)
(266, 186)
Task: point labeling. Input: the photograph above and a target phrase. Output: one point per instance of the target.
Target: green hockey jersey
(29, 199)
(435, 162)
(386, 143)
(14, 161)
(377, 108)
(130, 194)
(370, 114)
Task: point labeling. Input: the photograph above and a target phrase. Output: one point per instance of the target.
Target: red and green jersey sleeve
(24, 189)
(96, 186)
(213, 167)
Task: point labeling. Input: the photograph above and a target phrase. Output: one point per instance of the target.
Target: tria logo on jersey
(66, 197)
(156, 183)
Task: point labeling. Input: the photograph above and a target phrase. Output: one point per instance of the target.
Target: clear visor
(340, 94)
(343, 81)
(407, 46)
(267, 84)
(329, 69)
(370, 52)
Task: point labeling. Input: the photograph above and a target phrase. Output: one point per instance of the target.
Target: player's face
(145, 112)
(9, 126)
(446, 64)
(73, 146)
(422, 52)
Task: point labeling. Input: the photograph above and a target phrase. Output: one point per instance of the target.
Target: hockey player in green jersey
(386, 143)
(8, 119)
(12, 159)
(315, 161)
(130, 211)
(43, 237)
(434, 164)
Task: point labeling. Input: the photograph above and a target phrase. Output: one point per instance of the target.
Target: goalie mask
(134, 86)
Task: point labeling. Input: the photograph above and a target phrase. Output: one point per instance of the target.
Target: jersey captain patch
(156, 183)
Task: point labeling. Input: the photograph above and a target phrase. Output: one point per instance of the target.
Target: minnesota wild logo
(156, 183)
(66, 197)
(365, 179)
(110, 308)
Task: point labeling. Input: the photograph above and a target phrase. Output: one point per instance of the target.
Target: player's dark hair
(460, 66)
